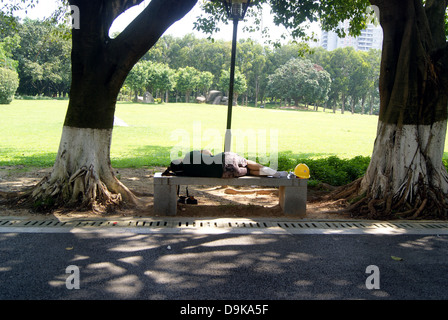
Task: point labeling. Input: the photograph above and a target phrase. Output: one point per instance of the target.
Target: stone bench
(292, 192)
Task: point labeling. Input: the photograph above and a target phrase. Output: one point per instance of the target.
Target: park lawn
(152, 132)
(31, 130)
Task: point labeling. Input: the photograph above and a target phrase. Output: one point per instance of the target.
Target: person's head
(175, 165)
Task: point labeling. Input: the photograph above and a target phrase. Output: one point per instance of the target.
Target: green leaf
(396, 258)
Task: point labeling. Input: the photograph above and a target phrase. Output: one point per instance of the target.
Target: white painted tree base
(82, 173)
(406, 165)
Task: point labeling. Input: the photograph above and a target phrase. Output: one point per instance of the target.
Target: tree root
(81, 191)
(428, 202)
(347, 191)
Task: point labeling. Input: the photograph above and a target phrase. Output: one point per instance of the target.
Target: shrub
(331, 170)
(9, 81)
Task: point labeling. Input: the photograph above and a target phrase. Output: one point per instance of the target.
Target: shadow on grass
(161, 156)
(135, 158)
(23, 158)
(326, 168)
(151, 156)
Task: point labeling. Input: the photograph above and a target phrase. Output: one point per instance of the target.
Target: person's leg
(254, 168)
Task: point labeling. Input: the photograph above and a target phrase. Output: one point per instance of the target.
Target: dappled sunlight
(134, 261)
(425, 243)
(163, 277)
(107, 267)
(58, 281)
(127, 286)
(135, 244)
(372, 231)
(79, 257)
(118, 265)
(237, 241)
(185, 263)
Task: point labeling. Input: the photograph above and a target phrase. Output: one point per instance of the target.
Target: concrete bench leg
(293, 200)
(165, 199)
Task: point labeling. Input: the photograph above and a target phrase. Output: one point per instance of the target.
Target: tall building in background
(370, 38)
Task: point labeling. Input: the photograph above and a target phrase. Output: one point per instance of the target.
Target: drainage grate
(226, 224)
(149, 224)
(5, 223)
(51, 223)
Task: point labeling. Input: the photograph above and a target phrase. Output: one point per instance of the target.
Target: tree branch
(97, 16)
(144, 31)
(116, 7)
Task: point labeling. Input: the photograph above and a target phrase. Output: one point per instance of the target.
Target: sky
(179, 28)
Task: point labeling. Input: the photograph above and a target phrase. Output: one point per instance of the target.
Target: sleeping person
(202, 163)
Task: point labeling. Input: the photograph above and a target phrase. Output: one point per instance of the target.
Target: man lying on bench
(202, 163)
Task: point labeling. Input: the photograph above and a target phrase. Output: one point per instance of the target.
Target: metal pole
(228, 137)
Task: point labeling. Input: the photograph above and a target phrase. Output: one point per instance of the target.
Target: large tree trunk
(82, 175)
(406, 177)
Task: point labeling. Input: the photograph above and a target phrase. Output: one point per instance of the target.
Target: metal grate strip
(224, 223)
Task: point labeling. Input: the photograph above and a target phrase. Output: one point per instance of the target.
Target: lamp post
(236, 10)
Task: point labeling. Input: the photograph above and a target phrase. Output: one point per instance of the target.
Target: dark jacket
(197, 164)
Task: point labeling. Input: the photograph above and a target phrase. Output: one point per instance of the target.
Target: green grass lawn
(30, 131)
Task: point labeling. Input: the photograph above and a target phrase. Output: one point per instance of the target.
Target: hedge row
(331, 170)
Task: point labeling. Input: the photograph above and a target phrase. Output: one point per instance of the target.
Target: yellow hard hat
(302, 171)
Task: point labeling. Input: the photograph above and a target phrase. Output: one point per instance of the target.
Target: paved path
(255, 264)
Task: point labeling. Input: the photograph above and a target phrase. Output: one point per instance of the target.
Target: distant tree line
(39, 53)
(9, 79)
(35, 59)
(342, 79)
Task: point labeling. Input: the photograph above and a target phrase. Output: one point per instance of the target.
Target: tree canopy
(42, 60)
(300, 80)
(295, 15)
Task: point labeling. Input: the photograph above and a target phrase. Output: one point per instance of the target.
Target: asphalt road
(129, 266)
